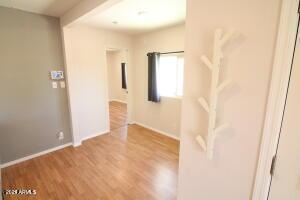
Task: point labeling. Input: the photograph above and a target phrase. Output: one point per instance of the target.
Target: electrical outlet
(60, 135)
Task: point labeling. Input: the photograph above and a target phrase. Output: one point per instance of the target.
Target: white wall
(248, 62)
(114, 60)
(84, 9)
(163, 116)
(87, 77)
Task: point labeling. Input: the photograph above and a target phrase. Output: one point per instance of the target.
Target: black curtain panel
(124, 81)
(153, 62)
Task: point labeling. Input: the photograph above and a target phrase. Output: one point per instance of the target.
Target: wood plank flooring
(129, 163)
(117, 114)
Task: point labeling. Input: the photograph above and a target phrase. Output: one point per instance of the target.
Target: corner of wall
(1, 193)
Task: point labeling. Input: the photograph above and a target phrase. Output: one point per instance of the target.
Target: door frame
(277, 95)
(129, 82)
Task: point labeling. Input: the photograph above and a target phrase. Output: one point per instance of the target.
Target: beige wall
(87, 77)
(115, 90)
(163, 116)
(31, 111)
(248, 62)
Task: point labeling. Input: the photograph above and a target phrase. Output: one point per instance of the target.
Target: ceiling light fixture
(142, 12)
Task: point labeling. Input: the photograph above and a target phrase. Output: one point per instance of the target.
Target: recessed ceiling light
(142, 12)
(115, 22)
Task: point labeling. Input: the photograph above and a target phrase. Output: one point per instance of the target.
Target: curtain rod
(172, 52)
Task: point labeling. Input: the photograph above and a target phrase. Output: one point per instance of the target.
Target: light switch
(54, 85)
(62, 84)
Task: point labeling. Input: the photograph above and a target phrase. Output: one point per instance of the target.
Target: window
(170, 80)
(124, 75)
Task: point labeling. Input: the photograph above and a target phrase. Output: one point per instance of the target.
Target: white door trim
(277, 95)
(130, 74)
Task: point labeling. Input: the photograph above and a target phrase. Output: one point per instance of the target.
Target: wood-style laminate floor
(130, 162)
(117, 114)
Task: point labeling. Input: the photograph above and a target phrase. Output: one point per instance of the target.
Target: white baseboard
(35, 155)
(89, 137)
(95, 135)
(117, 100)
(77, 144)
(156, 130)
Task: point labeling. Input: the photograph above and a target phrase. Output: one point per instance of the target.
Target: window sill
(171, 97)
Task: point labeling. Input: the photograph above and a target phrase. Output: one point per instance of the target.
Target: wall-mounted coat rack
(215, 89)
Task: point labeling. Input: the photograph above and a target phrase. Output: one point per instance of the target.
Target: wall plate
(57, 75)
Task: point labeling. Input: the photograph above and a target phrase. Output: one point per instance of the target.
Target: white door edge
(277, 95)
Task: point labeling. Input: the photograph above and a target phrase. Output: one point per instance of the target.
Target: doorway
(285, 183)
(279, 117)
(117, 76)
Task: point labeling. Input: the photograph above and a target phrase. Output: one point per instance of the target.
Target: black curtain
(124, 81)
(153, 62)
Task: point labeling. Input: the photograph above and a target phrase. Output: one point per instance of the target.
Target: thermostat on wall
(57, 75)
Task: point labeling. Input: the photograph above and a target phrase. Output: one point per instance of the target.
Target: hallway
(117, 114)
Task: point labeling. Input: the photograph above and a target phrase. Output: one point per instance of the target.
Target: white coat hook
(207, 62)
(201, 141)
(204, 104)
(215, 88)
(223, 85)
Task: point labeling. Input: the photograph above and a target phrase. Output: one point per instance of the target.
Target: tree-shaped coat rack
(215, 89)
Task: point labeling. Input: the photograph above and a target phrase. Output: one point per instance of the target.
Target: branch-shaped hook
(204, 104)
(210, 108)
(226, 37)
(221, 128)
(223, 85)
(207, 62)
(201, 141)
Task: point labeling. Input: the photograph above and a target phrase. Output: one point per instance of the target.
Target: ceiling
(55, 8)
(136, 16)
